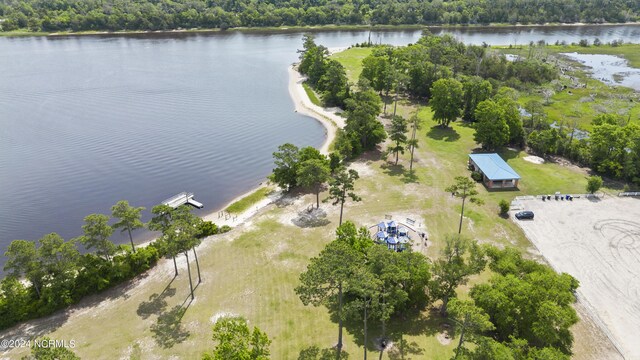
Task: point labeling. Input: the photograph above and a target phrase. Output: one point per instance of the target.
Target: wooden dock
(181, 199)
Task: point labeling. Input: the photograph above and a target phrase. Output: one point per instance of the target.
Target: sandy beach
(303, 105)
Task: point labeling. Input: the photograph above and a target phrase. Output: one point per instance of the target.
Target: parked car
(524, 215)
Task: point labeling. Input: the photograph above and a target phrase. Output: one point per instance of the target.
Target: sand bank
(303, 105)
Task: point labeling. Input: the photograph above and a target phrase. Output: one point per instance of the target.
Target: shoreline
(302, 105)
(289, 29)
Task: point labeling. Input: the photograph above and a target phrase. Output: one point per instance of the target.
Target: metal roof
(493, 167)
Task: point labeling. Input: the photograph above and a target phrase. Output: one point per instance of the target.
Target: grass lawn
(351, 59)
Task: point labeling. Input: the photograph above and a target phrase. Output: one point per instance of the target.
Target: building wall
(502, 184)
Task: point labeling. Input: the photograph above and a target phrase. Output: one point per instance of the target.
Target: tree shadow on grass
(399, 170)
(288, 198)
(466, 124)
(168, 329)
(315, 353)
(507, 154)
(402, 348)
(368, 156)
(413, 323)
(157, 302)
(448, 134)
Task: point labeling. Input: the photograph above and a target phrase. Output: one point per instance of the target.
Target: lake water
(87, 121)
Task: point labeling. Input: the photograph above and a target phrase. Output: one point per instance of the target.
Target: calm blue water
(87, 121)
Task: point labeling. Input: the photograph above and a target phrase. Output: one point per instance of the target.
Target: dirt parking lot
(598, 242)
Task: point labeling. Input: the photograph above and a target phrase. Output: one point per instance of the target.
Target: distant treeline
(82, 15)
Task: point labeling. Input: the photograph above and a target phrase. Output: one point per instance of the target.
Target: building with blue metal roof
(496, 173)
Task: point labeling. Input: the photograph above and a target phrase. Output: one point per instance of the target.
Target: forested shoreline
(116, 15)
(52, 274)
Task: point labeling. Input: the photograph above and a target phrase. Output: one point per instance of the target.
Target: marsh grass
(246, 202)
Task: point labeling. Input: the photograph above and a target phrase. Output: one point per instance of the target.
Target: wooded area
(523, 312)
(52, 273)
(112, 15)
(482, 87)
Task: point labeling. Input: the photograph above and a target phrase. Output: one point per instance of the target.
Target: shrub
(616, 43)
(224, 229)
(93, 275)
(207, 228)
(477, 176)
(594, 183)
(504, 207)
(143, 259)
(14, 302)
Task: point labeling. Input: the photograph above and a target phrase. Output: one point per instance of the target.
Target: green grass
(311, 94)
(22, 33)
(246, 202)
(351, 59)
(544, 179)
(448, 150)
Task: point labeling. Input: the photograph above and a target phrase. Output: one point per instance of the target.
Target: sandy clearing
(362, 167)
(337, 49)
(217, 316)
(597, 242)
(533, 159)
(443, 338)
